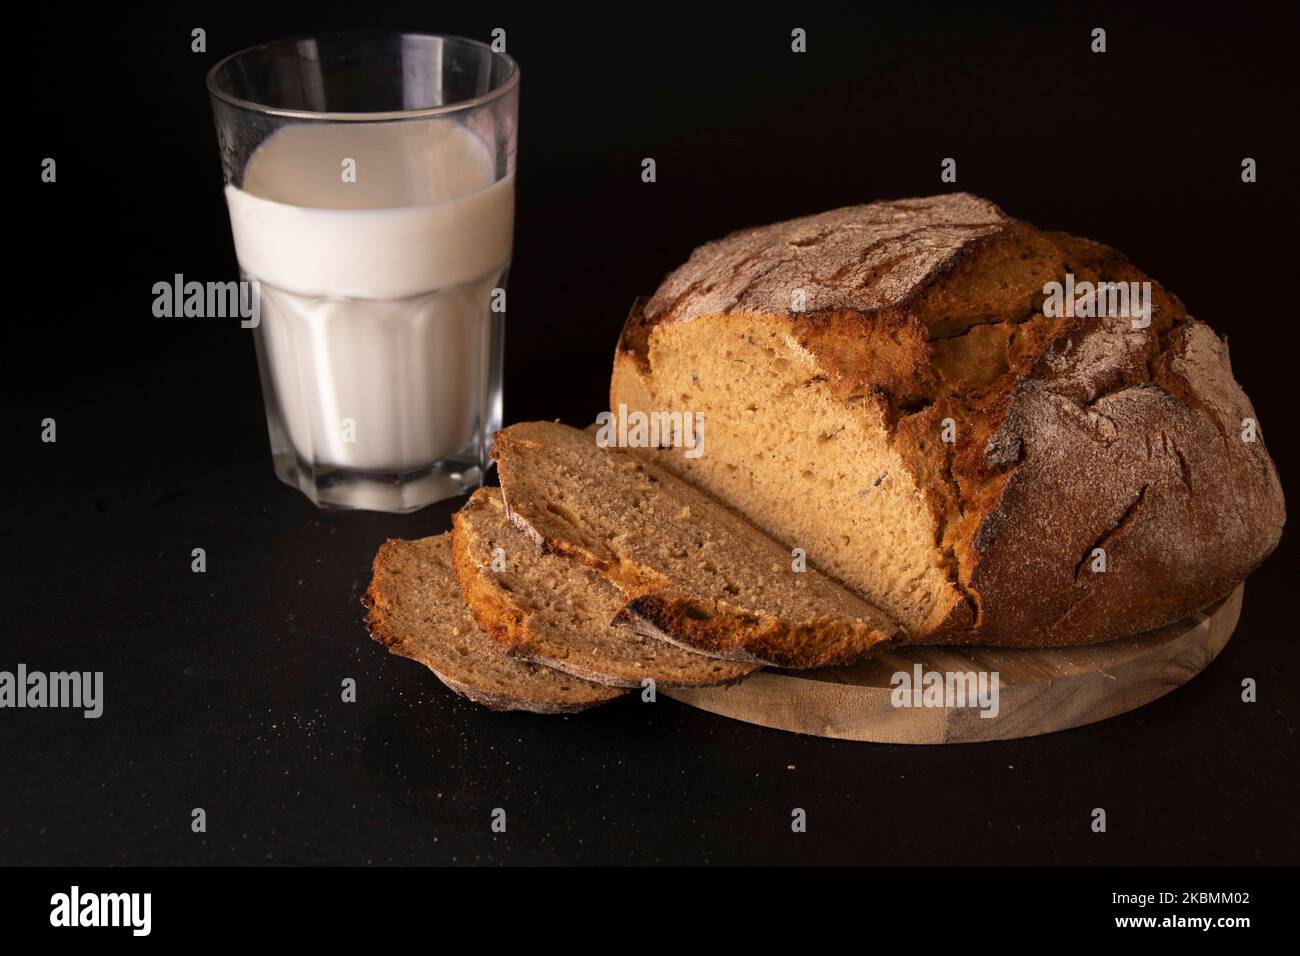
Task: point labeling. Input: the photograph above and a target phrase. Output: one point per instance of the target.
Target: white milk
(375, 294)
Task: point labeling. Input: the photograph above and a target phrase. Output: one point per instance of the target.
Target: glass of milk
(370, 182)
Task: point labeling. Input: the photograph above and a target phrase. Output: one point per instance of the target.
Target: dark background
(222, 689)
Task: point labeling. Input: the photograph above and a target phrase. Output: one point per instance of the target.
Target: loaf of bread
(893, 388)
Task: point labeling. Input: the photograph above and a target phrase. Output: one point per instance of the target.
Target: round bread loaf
(892, 388)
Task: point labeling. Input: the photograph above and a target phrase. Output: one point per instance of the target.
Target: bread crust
(734, 634)
(1074, 433)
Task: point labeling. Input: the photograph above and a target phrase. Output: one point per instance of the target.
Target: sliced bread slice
(416, 611)
(554, 611)
(693, 571)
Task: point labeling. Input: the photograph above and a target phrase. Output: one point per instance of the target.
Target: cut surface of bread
(555, 611)
(886, 387)
(693, 571)
(415, 610)
(813, 470)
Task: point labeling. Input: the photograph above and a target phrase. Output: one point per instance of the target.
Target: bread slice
(554, 611)
(694, 572)
(416, 611)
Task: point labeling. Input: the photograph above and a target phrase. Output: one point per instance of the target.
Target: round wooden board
(1039, 691)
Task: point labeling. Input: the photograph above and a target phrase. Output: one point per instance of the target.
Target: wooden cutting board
(1039, 691)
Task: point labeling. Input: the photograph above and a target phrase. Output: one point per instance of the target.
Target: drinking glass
(369, 178)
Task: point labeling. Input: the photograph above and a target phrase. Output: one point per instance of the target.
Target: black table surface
(223, 688)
